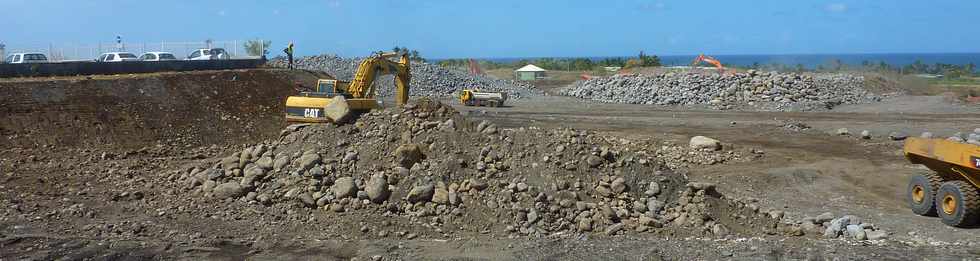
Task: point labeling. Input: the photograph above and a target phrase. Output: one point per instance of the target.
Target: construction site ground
(75, 139)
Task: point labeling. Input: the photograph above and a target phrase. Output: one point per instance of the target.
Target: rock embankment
(751, 90)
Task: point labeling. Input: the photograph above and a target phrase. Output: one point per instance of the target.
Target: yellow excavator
(333, 101)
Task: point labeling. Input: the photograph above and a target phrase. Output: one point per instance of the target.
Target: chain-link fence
(82, 52)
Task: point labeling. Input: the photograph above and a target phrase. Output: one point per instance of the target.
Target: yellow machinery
(477, 98)
(358, 94)
(952, 191)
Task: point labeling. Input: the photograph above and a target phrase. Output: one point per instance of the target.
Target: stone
(866, 134)
(265, 163)
(653, 189)
(308, 160)
(836, 227)
(704, 143)
(604, 191)
(306, 199)
(843, 132)
(280, 163)
(230, 163)
(532, 217)
(343, 187)
(639, 206)
(440, 195)
(421, 192)
(593, 161)
(855, 232)
(612, 229)
(337, 110)
(719, 230)
(618, 185)
(478, 184)
(228, 190)
(926, 135)
(655, 205)
(824, 217)
(852, 220)
(407, 155)
(335, 207)
(377, 188)
(897, 135)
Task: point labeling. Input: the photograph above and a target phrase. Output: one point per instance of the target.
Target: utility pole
(3, 51)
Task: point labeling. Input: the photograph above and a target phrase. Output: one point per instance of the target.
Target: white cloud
(275, 12)
(222, 13)
(836, 8)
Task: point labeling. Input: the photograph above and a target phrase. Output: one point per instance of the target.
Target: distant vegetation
(413, 55)
(918, 67)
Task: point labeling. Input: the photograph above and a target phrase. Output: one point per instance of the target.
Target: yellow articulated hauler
(357, 96)
(953, 191)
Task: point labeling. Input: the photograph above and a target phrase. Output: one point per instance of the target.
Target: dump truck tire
(921, 193)
(958, 203)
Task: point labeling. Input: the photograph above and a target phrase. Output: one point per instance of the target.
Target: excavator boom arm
(376, 65)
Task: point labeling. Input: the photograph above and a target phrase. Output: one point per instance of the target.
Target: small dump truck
(477, 98)
(952, 191)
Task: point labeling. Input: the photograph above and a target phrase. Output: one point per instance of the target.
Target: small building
(529, 73)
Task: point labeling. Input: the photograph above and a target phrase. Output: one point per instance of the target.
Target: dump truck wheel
(958, 203)
(922, 192)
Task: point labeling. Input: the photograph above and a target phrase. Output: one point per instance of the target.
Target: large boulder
(337, 110)
(228, 190)
(704, 143)
(377, 188)
(343, 187)
(421, 192)
(407, 155)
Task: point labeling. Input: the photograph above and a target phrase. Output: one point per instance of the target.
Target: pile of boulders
(427, 79)
(752, 89)
(847, 227)
(428, 164)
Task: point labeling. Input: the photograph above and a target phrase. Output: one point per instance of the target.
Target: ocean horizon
(809, 61)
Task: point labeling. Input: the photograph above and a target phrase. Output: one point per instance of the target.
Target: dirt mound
(436, 174)
(185, 109)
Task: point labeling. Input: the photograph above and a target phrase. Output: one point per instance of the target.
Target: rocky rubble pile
(427, 164)
(427, 79)
(847, 226)
(753, 89)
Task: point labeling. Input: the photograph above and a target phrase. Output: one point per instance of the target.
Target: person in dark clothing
(289, 54)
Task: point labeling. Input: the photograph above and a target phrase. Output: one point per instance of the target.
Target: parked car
(114, 57)
(209, 54)
(26, 58)
(157, 56)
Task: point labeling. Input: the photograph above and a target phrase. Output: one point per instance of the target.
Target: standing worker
(289, 54)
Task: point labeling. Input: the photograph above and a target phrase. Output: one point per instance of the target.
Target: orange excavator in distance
(711, 60)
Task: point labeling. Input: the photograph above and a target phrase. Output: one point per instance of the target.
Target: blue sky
(504, 28)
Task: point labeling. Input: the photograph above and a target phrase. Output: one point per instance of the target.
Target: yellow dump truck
(951, 192)
(477, 98)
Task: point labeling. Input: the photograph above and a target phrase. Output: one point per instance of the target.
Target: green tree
(257, 47)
